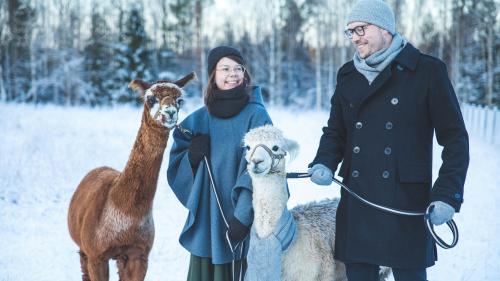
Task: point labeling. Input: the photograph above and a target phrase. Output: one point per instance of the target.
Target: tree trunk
(272, 58)
(279, 56)
(489, 65)
(3, 93)
(200, 58)
(443, 30)
(332, 25)
(318, 63)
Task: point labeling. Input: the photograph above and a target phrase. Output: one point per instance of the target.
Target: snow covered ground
(45, 151)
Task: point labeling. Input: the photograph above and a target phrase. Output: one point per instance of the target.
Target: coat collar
(408, 57)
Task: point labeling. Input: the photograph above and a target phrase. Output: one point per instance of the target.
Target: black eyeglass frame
(359, 30)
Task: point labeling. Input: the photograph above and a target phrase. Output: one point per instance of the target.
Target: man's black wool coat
(383, 134)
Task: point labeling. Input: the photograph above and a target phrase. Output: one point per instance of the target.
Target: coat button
(355, 174)
(457, 195)
(351, 105)
(387, 151)
(359, 125)
(394, 101)
(399, 67)
(388, 125)
(356, 149)
(385, 174)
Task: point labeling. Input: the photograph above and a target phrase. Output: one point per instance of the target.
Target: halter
(175, 104)
(274, 157)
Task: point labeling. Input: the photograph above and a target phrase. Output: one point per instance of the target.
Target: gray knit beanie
(376, 12)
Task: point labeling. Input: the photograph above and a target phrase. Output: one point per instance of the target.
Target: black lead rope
(451, 223)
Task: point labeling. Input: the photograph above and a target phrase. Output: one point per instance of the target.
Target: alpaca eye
(275, 148)
(247, 147)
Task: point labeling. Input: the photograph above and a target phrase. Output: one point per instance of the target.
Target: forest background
(78, 52)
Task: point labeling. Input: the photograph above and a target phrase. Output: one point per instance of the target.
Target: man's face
(369, 43)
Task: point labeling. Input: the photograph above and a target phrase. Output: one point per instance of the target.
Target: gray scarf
(264, 255)
(376, 62)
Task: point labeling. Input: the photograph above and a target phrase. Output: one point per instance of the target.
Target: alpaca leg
(83, 264)
(340, 273)
(384, 273)
(327, 272)
(98, 270)
(133, 266)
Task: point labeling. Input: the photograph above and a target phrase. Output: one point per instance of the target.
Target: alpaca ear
(138, 84)
(292, 147)
(184, 80)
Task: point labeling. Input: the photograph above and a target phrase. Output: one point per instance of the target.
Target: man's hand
(440, 212)
(320, 174)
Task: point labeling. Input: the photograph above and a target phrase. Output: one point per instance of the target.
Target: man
(388, 102)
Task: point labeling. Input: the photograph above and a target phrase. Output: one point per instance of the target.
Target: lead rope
(219, 204)
(451, 223)
(188, 134)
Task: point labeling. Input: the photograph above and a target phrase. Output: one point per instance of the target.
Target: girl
(232, 108)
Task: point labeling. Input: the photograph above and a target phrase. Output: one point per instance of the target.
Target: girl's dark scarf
(228, 103)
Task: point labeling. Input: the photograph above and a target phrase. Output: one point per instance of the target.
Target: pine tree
(97, 62)
(165, 55)
(132, 55)
(182, 33)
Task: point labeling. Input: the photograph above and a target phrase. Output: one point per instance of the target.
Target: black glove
(199, 147)
(237, 231)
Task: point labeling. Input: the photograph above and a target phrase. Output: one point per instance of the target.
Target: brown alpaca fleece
(110, 214)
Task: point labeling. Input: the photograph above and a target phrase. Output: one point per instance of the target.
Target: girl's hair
(211, 86)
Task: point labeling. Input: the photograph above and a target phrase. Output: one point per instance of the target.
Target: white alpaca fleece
(114, 223)
(271, 136)
(269, 201)
(263, 134)
(310, 256)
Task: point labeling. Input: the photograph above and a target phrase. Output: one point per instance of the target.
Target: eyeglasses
(226, 69)
(359, 30)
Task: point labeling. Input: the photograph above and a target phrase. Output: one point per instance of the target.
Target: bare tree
(317, 60)
(17, 57)
(3, 48)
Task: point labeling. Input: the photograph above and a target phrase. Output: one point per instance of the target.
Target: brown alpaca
(110, 214)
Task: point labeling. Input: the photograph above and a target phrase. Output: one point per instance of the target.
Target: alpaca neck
(136, 186)
(269, 200)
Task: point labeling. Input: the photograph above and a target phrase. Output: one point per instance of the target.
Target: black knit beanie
(219, 52)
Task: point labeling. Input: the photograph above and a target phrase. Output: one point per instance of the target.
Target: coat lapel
(381, 79)
(408, 57)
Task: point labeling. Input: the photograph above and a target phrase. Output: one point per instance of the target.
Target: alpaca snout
(257, 161)
(170, 112)
(255, 165)
(259, 165)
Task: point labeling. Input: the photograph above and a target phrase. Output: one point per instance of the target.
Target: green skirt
(202, 269)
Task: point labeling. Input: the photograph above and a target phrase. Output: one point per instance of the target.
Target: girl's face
(228, 74)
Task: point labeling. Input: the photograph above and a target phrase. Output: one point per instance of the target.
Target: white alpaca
(308, 251)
